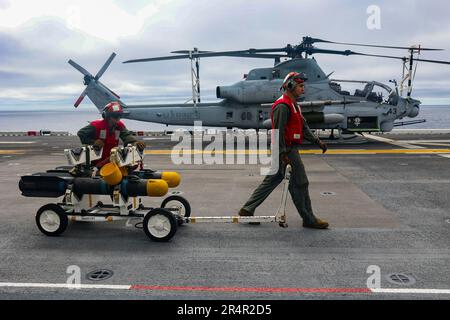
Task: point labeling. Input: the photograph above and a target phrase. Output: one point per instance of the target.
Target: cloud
(101, 19)
(4, 4)
(37, 38)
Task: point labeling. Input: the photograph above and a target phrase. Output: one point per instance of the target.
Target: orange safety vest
(293, 133)
(110, 138)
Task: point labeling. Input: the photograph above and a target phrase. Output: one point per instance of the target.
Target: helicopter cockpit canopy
(370, 90)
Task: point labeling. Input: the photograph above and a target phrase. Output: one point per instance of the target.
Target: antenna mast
(195, 76)
(407, 73)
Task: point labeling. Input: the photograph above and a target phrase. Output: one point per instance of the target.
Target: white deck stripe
(17, 142)
(393, 142)
(64, 286)
(422, 291)
(128, 287)
(408, 144)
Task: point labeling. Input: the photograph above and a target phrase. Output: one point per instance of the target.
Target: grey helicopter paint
(247, 103)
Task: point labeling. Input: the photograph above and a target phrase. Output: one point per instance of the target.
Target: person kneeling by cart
(112, 196)
(105, 133)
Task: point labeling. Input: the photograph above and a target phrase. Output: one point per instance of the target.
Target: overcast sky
(38, 37)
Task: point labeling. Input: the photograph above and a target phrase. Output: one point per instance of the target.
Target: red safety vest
(293, 133)
(110, 138)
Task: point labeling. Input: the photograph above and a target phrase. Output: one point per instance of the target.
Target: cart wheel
(51, 220)
(160, 225)
(181, 204)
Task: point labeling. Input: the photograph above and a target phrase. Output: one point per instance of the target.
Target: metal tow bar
(279, 217)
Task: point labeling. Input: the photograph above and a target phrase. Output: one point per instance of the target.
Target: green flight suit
(298, 184)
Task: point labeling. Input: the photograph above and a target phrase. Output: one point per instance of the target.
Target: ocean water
(62, 120)
(71, 120)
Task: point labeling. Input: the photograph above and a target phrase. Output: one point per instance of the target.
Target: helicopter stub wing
(314, 117)
(319, 103)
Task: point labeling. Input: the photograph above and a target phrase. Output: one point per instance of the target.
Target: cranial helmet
(292, 79)
(112, 109)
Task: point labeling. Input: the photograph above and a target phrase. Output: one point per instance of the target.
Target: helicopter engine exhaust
(247, 94)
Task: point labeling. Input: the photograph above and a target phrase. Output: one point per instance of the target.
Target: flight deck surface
(386, 199)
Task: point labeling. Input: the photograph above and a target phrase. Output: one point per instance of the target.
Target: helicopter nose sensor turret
(414, 111)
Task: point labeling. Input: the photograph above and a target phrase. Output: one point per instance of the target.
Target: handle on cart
(280, 216)
(288, 171)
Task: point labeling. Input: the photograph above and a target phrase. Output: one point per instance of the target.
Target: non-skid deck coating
(387, 209)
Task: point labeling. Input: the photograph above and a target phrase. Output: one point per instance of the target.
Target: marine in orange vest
(105, 133)
(287, 117)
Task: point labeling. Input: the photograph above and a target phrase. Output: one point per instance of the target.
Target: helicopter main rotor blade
(79, 68)
(250, 50)
(187, 51)
(372, 45)
(105, 66)
(253, 50)
(349, 52)
(256, 55)
(158, 59)
(433, 61)
(403, 58)
(210, 54)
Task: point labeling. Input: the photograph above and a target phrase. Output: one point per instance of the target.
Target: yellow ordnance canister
(172, 178)
(111, 173)
(157, 187)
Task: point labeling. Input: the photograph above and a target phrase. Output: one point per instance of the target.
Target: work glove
(323, 146)
(98, 144)
(140, 145)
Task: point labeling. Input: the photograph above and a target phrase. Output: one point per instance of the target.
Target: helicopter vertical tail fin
(97, 92)
(100, 95)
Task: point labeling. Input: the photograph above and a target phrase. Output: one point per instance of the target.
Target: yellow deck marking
(12, 152)
(312, 151)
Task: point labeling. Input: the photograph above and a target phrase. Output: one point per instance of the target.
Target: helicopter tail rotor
(89, 78)
(105, 66)
(80, 98)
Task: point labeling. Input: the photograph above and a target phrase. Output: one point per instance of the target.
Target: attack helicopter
(327, 104)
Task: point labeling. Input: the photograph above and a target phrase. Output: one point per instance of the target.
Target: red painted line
(238, 289)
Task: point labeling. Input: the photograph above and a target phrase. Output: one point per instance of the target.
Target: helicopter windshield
(371, 91)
